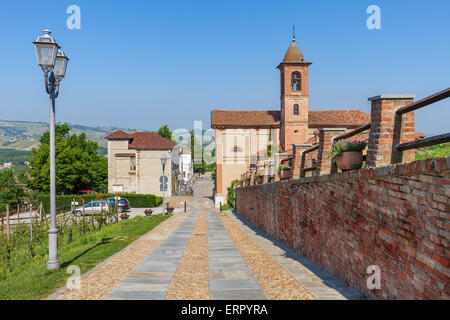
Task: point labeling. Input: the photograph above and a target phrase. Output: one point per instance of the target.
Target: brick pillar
(326, 136)
(388, 129)
(252, 175)
(297, 150)
(266, 172)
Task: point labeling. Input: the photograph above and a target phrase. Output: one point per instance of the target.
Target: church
(245, 138)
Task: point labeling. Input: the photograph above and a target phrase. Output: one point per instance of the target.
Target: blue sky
(140, 64)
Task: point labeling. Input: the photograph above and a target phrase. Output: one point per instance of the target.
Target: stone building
(134, 163)
(242, 137)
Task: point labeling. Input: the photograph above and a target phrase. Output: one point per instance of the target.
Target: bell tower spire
(293, 97)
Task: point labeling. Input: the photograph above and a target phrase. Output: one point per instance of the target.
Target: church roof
(338, 117)
(317, 119)
(293, 54)
(245, 118)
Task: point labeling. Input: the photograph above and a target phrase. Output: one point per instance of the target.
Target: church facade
(245, 138)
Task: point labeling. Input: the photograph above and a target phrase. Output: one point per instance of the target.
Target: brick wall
(396, 217)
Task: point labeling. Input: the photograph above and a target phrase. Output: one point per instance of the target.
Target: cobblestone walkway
(209, 255)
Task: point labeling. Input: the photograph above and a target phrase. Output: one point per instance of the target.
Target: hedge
(136, 200)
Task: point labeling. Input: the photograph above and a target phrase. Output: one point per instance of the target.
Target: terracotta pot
(285, 174)
(260, 180)
(350, 160)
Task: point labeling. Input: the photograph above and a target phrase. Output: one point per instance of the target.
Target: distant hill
(24, 135)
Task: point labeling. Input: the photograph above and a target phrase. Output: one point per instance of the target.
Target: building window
(132, 164)
(296, 81)
(236, 149)
(296, 111)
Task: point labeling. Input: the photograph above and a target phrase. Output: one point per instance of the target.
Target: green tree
(231, 195)
(11, 189)
(78, 165)
(165, 132)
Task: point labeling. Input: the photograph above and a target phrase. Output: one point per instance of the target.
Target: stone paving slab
(322, 284)
(238, 294)
(160, 266)
(99, 282)
(229, 275)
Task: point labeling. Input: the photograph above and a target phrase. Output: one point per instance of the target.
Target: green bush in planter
(342, 146)
(283, 167)
(258, 176)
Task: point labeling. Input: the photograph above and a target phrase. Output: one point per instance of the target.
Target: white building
(186, 166)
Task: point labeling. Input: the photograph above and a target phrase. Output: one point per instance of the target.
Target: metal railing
(302, 165)
(430, 141)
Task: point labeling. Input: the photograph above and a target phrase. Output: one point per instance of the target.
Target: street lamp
(54, 64)
(180, 179)
(163, 162)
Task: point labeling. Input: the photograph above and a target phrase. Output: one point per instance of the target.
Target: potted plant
(259, 178)
(247, 181)
(284, 171)
(148, 212)
(348, 154)
(124, 216)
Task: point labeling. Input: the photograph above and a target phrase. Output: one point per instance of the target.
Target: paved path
(237, 257)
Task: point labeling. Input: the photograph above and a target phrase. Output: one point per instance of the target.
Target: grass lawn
(32, 280)
(226, 207)
(437, 151)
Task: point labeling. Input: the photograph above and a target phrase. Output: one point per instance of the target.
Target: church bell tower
(294, 97)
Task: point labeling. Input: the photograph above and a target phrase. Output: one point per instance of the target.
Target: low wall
(396, 217)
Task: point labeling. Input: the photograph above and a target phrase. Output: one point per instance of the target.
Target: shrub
(136, 200)
(231, 195)
(345, 146)
(257, 176)
(247, 179)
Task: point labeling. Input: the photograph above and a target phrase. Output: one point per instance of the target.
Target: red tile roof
(245, 118)
(118, 135)
(272, 118)
(338, 117)
(143, 140)
(149, 140)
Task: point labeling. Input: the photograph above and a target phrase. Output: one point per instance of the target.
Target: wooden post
(71, 220)
(185, 207)
(101, 214)
(117, 209)
(84, 219)
(31, 231)
(18, 214)
(8, 249)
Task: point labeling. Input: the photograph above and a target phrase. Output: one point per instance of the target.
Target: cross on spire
(293, 33)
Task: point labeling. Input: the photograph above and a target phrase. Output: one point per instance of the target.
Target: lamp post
(163, 162)
(54, 64)
(180, 179)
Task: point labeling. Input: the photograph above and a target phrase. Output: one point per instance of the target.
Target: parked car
(86, 192)
(92, 207)
(123, 204)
